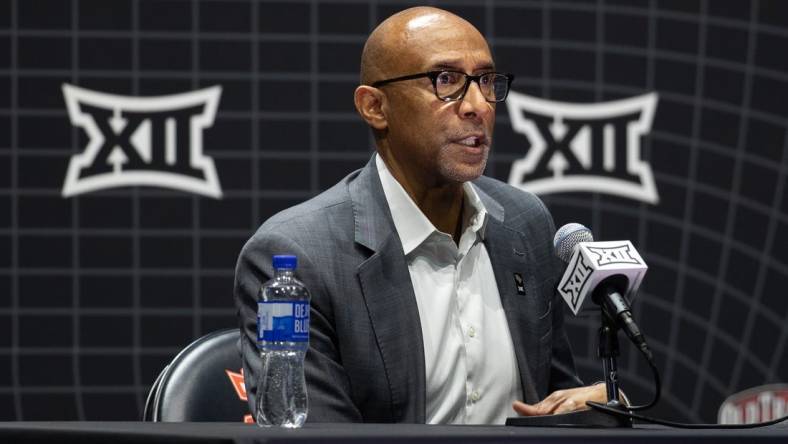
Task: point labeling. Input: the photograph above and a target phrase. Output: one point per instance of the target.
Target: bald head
(404, 40)
(427, 141)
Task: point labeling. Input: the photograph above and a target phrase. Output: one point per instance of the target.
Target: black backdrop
(99, 290)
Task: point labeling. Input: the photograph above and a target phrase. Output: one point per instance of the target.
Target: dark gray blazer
(366, 358)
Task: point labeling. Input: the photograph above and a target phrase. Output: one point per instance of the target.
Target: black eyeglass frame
(433, 76)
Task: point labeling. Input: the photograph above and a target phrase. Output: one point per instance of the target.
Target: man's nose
(473, 104)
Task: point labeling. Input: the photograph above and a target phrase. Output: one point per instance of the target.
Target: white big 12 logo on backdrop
(153, 141)
(584, 147)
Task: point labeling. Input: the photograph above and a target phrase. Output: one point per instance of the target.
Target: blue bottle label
(283, 321)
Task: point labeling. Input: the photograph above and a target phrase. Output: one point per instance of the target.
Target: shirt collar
(412, 225)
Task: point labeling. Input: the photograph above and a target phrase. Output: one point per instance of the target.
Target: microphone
(610, 272)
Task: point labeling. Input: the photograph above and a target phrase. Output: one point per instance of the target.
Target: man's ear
(369, 104)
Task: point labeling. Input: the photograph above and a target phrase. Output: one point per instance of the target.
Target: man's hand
(563, 401)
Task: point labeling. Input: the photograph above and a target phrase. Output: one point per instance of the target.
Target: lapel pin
(518, 281)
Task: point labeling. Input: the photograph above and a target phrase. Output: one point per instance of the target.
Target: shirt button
(475, 396)
(472, 332)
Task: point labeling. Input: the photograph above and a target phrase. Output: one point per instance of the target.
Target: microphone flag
(593, 262)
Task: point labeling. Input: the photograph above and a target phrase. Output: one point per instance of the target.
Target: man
(433, 289)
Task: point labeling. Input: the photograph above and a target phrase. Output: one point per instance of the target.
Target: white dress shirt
(471, 370)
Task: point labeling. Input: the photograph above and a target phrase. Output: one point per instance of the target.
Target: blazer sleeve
(328, 388)
(563, 373)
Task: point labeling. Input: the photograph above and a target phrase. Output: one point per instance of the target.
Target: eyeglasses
(452, 85)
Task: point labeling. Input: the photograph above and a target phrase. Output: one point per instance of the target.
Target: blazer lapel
(509, 256)
(390, 298)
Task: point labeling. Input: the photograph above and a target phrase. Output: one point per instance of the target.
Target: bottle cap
(288, 261)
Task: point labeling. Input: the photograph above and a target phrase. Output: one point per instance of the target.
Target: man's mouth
(472, 141)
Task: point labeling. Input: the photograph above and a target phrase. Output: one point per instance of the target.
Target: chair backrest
(203, 382)
(147, 412)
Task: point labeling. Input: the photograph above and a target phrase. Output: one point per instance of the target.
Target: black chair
(202, 383)
(147, 413)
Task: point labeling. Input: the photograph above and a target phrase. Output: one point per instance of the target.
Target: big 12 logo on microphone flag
(584, 147)
(592, 263)
(154, 141)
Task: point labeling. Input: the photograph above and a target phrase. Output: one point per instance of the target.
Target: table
(205, 432)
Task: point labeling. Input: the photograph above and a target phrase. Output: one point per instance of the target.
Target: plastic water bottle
(282, 339)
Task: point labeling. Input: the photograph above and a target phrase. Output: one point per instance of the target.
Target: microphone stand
(607, 350)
